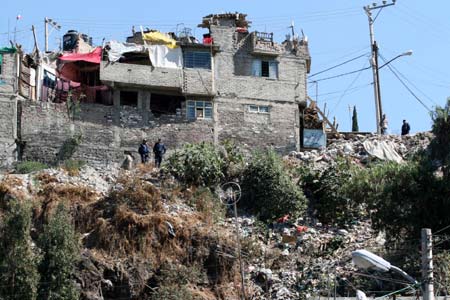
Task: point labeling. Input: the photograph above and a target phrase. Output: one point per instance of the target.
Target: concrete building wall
(46, 127)
(8, 130)
(141, 75)
(279, 128)
(8, 75)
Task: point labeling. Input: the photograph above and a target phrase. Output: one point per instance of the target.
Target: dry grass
(8, 189)
(45, 178)
(52, 194)
(145, 168)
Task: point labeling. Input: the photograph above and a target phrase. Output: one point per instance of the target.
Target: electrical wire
(340, 91)
(339, 75)
(413, 85)
(409, 90)
(346, 90)
(442, 229)
(338, 65)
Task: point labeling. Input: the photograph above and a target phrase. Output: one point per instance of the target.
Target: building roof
(214, 19)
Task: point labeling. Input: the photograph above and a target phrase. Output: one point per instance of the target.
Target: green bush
(197, 164)
(19, 275)
(68, 148)
(26, 167)
(268, 190)
(402, 198)
(59, 243)
(72, 166)
(327, 194)
(173, 280)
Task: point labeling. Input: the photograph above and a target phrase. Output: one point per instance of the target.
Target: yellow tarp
(157, 37)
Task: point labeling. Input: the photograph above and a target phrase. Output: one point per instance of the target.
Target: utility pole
(54, 25)
(374, 60)
(427, 264)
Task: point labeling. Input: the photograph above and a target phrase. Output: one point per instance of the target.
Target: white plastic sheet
(162, 56)
(382, 150)
(117, 49)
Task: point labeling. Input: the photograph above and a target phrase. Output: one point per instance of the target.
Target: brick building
(234, 85)
(237, 85)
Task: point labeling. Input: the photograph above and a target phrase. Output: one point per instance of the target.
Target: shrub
(173, 280)
(208, 204)
(268, 190)
(73, 167)
(328, 198)
(69, 147)
(26, 167)
(59, 243)
(197, 164)
(19, 275)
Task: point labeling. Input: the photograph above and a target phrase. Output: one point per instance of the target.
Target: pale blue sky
(337, 31)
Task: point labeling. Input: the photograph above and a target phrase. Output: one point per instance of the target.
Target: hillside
(145, 235)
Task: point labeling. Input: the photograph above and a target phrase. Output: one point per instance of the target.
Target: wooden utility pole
(54, 25)
(374, 61)
(427, 264)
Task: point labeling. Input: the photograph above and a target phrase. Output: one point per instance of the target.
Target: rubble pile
(298, 261)
(288, 259)
(355, 146)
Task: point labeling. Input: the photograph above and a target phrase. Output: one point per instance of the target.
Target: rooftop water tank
(70, 40)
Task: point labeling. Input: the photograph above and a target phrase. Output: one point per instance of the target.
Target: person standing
(144, 151)
(159, 150)
(384, 124)
(405, 128)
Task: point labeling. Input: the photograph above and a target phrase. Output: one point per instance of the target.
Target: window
(128, 98)
(265, 68)
(165, 104)
(197, 59)
(199, 110)
(258, 109)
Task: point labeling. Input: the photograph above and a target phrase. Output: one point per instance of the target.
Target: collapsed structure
(234, 85)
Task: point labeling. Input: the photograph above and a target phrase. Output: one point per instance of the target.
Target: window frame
(196, 106)
(196, 62)
(258, 109)
(259, 71)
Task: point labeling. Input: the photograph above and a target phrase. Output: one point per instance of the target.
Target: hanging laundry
(162, 56)
(156, 37)
(117, 49)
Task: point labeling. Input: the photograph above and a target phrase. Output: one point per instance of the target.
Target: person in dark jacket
(405, 128)
(159, 149)
(144, 151)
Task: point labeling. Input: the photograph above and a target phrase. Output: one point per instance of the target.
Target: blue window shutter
(273, 69)
(256, 67)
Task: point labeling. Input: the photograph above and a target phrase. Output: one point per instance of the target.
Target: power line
(339, 75)
(346, 90)
(442, 229)
(409, 90)
(338, 65)
(414, 86)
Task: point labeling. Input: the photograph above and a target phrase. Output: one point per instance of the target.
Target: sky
(337, 32)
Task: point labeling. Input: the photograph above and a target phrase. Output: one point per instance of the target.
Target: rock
(342, 232)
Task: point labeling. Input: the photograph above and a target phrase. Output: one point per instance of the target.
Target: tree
(19, 275)
(59, 243)
(355, 127)
(268, 191)
(440, 146)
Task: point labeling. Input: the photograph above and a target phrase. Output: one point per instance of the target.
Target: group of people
(158, 151)
(384, 126)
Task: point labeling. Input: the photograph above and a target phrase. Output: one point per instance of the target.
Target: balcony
(263, 44)
(141, 75)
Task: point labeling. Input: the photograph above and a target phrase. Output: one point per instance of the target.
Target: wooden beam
(333, 129)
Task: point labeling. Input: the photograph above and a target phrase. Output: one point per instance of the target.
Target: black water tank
(70, 40)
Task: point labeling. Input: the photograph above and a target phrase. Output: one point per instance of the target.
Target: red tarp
(93, 57)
